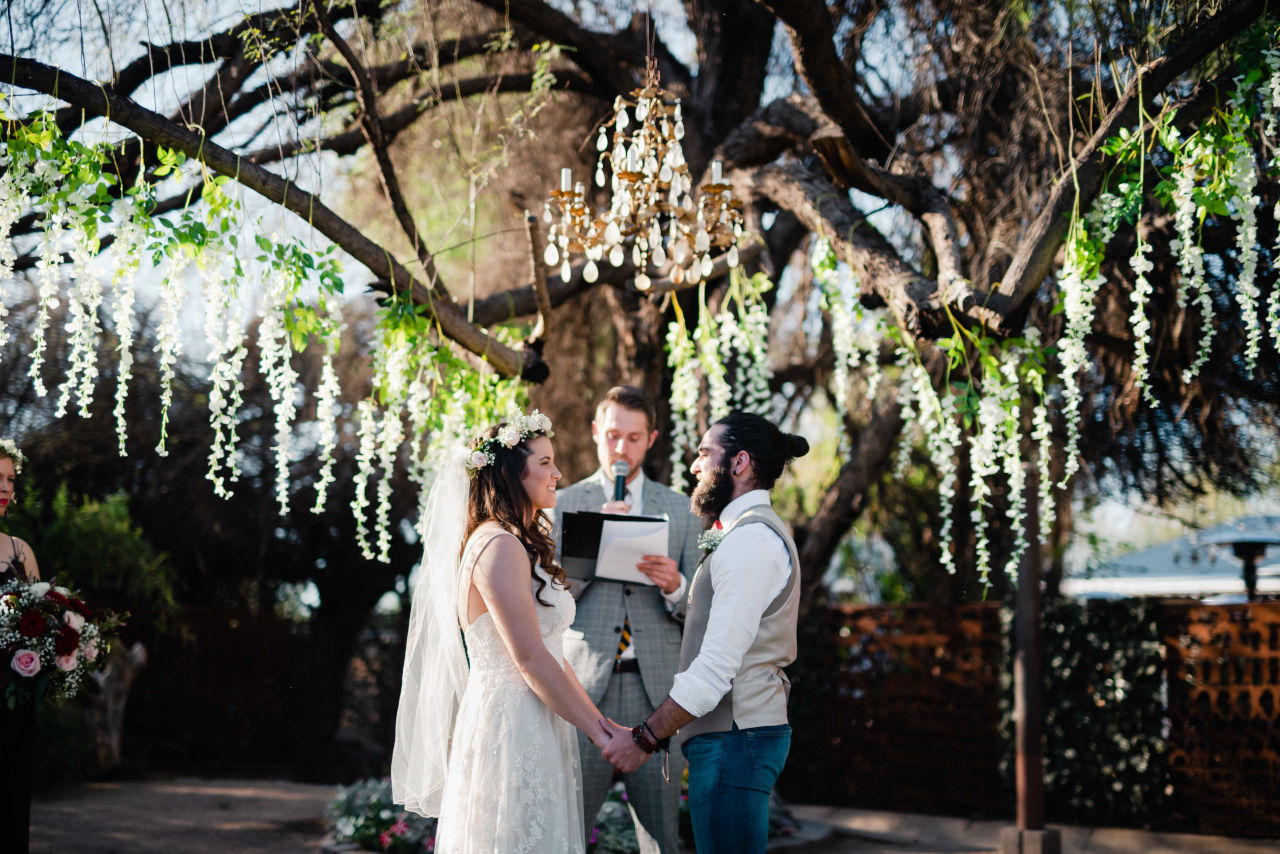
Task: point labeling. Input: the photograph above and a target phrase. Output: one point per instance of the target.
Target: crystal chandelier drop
(651, 205)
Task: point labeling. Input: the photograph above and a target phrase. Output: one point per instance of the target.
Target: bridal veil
(435, 659)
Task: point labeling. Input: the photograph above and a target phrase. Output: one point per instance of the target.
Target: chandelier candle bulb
(566, 179)
(717, 172)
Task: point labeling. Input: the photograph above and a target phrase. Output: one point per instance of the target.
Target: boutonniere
(711, 538)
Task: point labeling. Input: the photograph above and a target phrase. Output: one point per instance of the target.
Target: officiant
(625, 642)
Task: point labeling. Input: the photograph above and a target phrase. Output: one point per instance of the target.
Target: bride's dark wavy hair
(498, 494)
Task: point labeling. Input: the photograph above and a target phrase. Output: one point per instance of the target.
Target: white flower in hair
(511, 435)
(516, 430)
(9, 448)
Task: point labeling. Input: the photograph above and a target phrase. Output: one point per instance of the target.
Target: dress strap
(467, 565)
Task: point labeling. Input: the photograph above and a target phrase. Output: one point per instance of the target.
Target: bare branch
(371, 124)
(352, 140)
(538, 270)
(612, 62)
(812, 41)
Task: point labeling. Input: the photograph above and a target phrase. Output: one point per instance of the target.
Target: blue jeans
(730, 777)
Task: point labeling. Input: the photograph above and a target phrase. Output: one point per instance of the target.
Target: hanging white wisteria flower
(1042, 438)
(751, 340)
(390, 437)
(327, 409)
(1243, 178)
(909, 406)
(1015, 475)
(168, 346)
(942, 433)
(48, 263)
(1273, 304)
(1192, 285)
(708, 335)
(225, 334)
(1079, 281)
(276, 365)
(685, 385)
(1138, 320)
(366, 443)
(128, 253)
(14, 182)
(844, 335)
(84, 298)
(1271, 95)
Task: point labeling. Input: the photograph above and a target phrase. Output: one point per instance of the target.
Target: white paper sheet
(623, 544)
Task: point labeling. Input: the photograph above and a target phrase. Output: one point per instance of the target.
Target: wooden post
(1029, 836)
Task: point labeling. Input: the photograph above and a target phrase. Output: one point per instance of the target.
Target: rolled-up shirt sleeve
(752, 566)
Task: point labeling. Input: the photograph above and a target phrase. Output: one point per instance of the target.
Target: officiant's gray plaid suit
(591, 646)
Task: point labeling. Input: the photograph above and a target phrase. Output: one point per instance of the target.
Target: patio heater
(1249, 546)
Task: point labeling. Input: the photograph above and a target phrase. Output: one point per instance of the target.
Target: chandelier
(651, 206)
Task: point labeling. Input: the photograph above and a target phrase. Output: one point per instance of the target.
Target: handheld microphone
(620, 472)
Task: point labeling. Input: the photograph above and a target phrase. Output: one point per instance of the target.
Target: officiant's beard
(713, 493)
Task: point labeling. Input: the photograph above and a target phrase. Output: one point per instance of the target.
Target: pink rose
(385, 838)
(25, 663)
(66, 662)
(89, 650)
(74, 620)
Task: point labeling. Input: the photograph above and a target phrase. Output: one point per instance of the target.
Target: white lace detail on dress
(514, 783)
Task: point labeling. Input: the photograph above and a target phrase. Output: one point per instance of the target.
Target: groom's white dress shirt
(752, 567)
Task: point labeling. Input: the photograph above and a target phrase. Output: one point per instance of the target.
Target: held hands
(601, 738)
(621, 751)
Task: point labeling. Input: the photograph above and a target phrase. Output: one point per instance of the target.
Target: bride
(487, 745)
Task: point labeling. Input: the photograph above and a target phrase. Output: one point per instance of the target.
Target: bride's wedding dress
(513, 783)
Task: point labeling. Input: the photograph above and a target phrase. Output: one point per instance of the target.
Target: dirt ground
(182, 816)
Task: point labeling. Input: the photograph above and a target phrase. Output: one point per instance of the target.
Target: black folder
(580, 539)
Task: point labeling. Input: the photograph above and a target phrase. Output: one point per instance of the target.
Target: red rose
(67, 641)
(55, 596)
(81, 608)
(31, 624)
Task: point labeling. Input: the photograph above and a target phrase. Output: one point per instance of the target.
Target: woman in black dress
(17, 725)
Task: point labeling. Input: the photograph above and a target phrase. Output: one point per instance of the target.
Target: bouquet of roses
(50, 640)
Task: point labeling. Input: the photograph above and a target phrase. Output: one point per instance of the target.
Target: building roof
(1200, 564)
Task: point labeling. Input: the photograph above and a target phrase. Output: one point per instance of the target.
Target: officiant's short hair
(629, 397)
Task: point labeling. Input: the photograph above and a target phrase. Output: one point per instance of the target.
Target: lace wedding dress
(513, 784)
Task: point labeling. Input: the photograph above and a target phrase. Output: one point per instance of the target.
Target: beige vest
(758, 696)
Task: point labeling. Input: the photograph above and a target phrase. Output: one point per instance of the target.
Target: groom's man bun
(770, 449)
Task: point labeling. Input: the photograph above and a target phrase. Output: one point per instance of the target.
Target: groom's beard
(713, 493)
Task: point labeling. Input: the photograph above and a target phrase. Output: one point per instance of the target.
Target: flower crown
(516, 430)
(9, 448)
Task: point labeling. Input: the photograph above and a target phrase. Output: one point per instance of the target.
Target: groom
(624, 644)
(729, 699)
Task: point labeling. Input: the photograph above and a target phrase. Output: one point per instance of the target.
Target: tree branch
(371, 124)
(614, 63)
(808, 24)
(1036, 251)
(97, 100)
(884, 277)
(352, 140)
